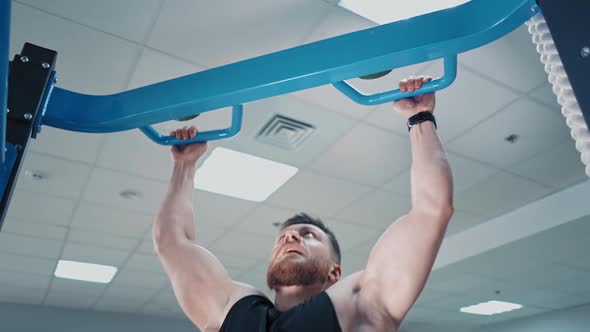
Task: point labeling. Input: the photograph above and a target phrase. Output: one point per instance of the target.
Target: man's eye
(309, 234)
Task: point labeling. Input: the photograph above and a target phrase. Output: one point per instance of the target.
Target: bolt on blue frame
(330, 61)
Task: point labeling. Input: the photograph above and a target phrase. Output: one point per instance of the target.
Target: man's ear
(335, 273)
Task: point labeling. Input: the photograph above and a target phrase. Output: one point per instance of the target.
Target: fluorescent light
(85, 271)
(242, 175)
(387, 11)
(491, 308)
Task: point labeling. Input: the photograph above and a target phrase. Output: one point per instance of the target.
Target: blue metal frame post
(566, 20)
(4, 50)
(29, 83)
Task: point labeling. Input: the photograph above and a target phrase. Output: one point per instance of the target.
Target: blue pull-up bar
(442, 34)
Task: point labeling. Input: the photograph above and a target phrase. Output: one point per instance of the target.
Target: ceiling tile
(21, 245)
(453, 281)
(355, 259)
(235, 261)
(27, 264)
(536, 126)
(143, 262)
(67, 144)
(316, 194)
(331, 99)
(498, 194)
(338, 21)
(351, 235)
(262, 220)
(127, 277)
(94, 255)
(454, 111)
(494, 267)
(467, 172)
(462, 221)
(352, 263)
(213, 210)
(376, 210)
(132, 152)
(68, 299)
(128, 293)
(77, 287)
(545, 95)
(117, 304)
(512, 60)
(41, 208)
(226, 36)
(577, 286)
(104, 240)
(155, 67)
(557, 244)
(329, 126)
(400, 184)
(365, 155)
(28, 280)
(26, 228)
(245, 244)
(257, 279)
(105, 185)
(59, 177)
(165, 297)
(558, 167)
(22, 295)
(130, 19)
(83, 52)
(91, 217)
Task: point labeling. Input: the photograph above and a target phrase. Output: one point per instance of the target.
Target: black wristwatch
(421, 117)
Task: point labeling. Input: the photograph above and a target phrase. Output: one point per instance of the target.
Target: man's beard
(288, 272)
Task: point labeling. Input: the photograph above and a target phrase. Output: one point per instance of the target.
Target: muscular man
(304, 268)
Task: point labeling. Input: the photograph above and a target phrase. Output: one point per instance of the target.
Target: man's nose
(292, 237)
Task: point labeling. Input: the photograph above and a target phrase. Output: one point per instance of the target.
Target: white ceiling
(354, 172)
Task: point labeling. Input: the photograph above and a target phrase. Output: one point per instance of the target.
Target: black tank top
(255, 313)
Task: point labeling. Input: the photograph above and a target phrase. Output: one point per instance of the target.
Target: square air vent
(284, 132)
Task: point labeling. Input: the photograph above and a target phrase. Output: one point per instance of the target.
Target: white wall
(575, 319)
(30, 318)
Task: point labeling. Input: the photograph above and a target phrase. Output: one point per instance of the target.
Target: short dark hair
(304, 218)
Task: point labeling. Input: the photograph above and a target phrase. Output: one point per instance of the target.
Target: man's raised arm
(202, 286)
(402, 258)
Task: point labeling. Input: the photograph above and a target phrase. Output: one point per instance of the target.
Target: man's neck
(290, 296)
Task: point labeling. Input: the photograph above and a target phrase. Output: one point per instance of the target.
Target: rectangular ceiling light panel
(85, 271)
(242, 175)
(491, 308)
(387, 11)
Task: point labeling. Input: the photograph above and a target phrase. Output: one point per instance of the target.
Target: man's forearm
(174, 220)
(432, 187)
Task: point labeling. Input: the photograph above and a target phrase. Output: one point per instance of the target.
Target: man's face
(301, 256)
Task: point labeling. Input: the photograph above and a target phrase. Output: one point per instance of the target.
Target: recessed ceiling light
(36, 174)
(387, 11)
(491, 308)
(512, 138)
(85, 271)
(130, 194)
(241, 175)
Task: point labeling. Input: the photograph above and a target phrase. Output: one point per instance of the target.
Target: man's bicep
(402, 258)
(201, 284)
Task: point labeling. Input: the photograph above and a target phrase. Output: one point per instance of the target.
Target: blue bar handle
(211, 135)
(393, 95)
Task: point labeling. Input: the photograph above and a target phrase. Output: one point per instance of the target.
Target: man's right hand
(190, 152)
